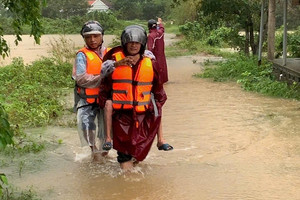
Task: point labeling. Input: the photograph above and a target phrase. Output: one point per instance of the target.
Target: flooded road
(30, 51)
(228, 144)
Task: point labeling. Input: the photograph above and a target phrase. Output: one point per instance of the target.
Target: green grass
(187, 47)
(245, 71)
(236, 67)
(171, 28)
(33, 94)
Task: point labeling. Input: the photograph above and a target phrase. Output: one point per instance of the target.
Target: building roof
(91, 2)
(107, 3)
(97, 5)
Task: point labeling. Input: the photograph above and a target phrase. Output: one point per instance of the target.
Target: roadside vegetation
(33, 95)
(240, 64)
(245, 71)
(238, 67)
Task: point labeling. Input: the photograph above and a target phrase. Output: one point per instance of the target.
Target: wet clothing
(83, 78)
(90, 124)
(93, 67)
(134, 132)
(86, 73)
(123, 157)
(156, 45)
(132, 91)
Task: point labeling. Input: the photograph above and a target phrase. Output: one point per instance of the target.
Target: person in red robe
(136, 103)
(156, 44)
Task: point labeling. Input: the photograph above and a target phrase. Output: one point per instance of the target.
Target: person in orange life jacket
(86, 73)
(107, 68)
(155, 44)
(137, 97)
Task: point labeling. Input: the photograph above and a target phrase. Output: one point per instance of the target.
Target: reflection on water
(229, 144)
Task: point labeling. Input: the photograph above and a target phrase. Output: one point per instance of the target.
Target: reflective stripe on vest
(93, 66)
(128, 93)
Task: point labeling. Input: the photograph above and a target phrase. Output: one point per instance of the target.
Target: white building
(98, 5)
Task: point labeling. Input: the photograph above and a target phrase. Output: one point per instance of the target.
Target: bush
(6, 133)
(63, 50)
(192, 30)
(293, 43)
(252, 77)
(222, 35)
(32, 94)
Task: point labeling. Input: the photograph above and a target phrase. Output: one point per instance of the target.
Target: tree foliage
(22, 12)
(185, 11)
(6, 133)
(237, 15)
(293, 15)
(66, 8)
(141, 9)
(242, 14)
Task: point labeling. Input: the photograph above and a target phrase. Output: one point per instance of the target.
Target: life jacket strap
(122, 81)
(123, 102)
(136, 103)
(120, 91)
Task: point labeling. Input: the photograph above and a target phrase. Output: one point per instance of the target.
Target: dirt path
(229, 144)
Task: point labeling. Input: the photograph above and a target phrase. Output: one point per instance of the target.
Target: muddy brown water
(229, 144)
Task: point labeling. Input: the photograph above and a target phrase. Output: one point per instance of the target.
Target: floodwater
(228, 144)
(30, 51)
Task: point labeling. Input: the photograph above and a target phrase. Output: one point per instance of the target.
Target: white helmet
(91, 27)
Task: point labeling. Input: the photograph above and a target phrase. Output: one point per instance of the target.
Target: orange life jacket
(130, 92)
(93, 66)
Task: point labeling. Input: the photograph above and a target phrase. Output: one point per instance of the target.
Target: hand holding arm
(107, 68)
(149, 54)
(128, 60)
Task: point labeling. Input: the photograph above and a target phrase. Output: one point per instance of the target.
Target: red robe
(156, 45)
(127, 138)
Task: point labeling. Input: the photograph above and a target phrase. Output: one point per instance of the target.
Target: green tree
(128, 9)
(293, 15)
(6, 133)
(154, 9)
(238, 15)
(242, 14)
(141, 9)
(271, 29)
(22, 12)
(184, 11)
(66, 8)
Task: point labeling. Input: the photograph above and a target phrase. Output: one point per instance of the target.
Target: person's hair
(134, 33)
(152, 24)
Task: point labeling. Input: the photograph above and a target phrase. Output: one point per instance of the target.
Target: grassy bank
(238, 68)
(33, 95)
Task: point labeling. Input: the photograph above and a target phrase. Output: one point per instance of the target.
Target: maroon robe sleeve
(150, 41)
(105, 91)
(160, 95)
(161, 30)
(155, 34)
